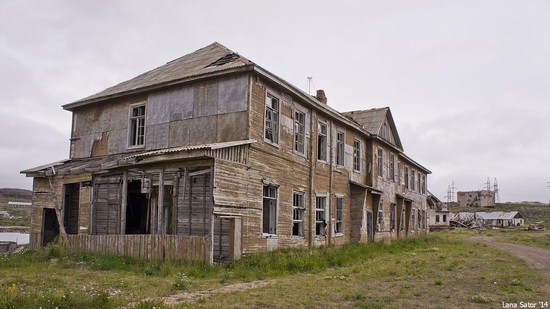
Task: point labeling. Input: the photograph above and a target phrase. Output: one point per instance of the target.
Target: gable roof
(373, 120)
(207, 60)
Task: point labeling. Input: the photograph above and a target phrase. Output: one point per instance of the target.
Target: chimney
(321, 96)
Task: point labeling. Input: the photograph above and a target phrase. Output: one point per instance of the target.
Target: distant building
(481, 218)
(481, 198)
(20, 204)
(439, 212)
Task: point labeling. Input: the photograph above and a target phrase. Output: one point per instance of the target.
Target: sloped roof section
(374, 120)
(207, 60)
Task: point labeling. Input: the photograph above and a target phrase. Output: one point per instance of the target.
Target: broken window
(419, 219)
(380, 218)
(322, 142)
(392, 167)
(406, 177)
(136, 134)
(398, 173)
(392, 216)
(340, 140)
(423, 184)
(413, 180)
(298, 210)
(271, 133)
(412, 219)
(320, 216)
(269, 225)
(444, 218)
(380, 162)
(70, 208)
(356, 155)
(402, 220)
(339, 227)
(299, 131)
(436, 218)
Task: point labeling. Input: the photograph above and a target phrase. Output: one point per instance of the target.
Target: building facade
(212, 156)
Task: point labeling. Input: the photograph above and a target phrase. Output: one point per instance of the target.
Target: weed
(479, 299)
(181, 282)
(438, 282)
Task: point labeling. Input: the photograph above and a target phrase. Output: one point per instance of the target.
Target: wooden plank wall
(152, 247)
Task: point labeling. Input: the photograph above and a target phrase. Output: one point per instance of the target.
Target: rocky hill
(19, 194)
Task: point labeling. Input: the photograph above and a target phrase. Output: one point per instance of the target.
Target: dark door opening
(137, 210)
(70, 208)
(51, 226)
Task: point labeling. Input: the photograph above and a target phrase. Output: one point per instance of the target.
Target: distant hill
(12, 193)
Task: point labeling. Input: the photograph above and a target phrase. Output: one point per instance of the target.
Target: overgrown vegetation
(18, 217)
(417, 272)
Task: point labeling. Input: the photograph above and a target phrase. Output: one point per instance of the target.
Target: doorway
(50, 227)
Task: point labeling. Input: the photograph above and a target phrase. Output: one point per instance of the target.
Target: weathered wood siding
(218, 107)
(158, 247)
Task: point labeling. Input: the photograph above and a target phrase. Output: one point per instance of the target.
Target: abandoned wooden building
(210, 156)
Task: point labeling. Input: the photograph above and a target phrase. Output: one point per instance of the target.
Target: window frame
(321, 231)
(135, 123)
(357, 155)
(380, 161)
(299, 132)
(339, 216)
(272, 211)
(413, 180)
(298, 209)
(340, 148)
(391, 175)
(322, 141)
(406, 177)
(275, 120)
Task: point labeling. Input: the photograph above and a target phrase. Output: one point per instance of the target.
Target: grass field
(442, 270)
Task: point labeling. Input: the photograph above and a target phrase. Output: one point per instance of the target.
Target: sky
(467, 82)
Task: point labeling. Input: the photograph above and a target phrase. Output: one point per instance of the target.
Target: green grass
(22, 217)
(417, 272)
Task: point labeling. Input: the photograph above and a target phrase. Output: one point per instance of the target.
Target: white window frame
(357, 155)
(340, 148)
(299, 132)
(339, 216)
(322, 141)
(135, 139)
(298, 208)
(272, 119)
(272, 211)
(321, 215)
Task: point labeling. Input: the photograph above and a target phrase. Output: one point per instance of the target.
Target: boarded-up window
(106, 206)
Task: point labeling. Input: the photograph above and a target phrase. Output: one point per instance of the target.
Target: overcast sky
(468, 82)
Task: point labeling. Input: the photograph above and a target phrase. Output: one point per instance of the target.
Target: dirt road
(535, 257)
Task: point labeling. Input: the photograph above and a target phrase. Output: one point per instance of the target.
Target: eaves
(160, 86)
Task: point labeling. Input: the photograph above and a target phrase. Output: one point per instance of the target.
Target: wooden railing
(162, 247)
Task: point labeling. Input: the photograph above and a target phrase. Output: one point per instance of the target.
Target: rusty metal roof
(189, 148)
(207, 60)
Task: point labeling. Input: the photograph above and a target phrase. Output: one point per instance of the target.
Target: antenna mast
(495, 188)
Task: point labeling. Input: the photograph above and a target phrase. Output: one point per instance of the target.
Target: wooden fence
(162, 247)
